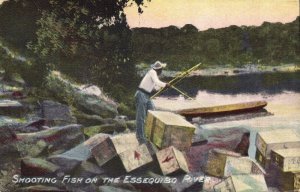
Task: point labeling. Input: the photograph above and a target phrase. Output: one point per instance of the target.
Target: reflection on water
(269, 83)
(235, 117)
(281, 91)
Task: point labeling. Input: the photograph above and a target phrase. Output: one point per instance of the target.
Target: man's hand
(167, 86)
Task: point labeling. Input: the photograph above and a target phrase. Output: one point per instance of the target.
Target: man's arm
(156, 80)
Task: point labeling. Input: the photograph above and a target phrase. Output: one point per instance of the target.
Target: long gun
(177, 79)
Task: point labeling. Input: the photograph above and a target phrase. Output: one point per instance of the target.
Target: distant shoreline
(233, 71)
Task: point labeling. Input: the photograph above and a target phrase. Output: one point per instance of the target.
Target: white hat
(158, 65)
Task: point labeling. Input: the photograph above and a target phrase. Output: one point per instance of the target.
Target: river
(280, 90)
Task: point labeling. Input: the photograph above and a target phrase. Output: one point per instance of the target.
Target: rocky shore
(75, 140)
(41, 136)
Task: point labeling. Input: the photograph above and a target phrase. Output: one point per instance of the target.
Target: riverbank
(229, 70)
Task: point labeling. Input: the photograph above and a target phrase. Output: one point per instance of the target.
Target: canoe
(223, 109)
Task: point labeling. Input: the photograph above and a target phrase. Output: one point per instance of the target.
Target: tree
(18, 20)
(213, 48)
(88, 39)
(189, 28)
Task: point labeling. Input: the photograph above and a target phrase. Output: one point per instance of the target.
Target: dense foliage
(86, 39)
(18, 21)
(270, 43)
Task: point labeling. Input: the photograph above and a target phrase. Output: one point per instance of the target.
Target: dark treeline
(270, 43)
(92, 43)
(88, 40)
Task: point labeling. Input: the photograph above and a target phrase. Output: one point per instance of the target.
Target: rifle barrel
(177, 79)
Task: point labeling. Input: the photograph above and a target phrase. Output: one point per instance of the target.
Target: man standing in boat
(143, 101)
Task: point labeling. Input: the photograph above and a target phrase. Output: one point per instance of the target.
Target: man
(149, 83)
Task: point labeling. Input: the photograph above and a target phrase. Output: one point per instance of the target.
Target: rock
(33, 167)
(11, 108)
(8, 153)
(155, 187)
(91, 90)
(172, 161)
(273, 189)
(131, 124)
(268, 140)
(10, 121)
(224, 163)
(113, 189)
(89, 120)
(241, 183)
(37, 124)
(221, 138)
(121, 117)
(40, 188)
(72, 158)
(56, 139)
(135, 158)
(72, 94)
(209, 183)
(166, 129)
(69, 160)
(77, 187)
(33, 126)
(111, 147)
(107, 128)
(152, 148)
(244, 144)
(287, 160)
(95, 140)
(32, 148)
(288, 181)
(121, 185)
(4, 173)
(191, 182)
(6, 135)
(56, 114)
(88, 169)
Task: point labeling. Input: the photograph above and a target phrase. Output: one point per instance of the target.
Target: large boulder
(51, 141)
(11, 108)
(31, 167)
(88, 169)
(89, 100)
(56, 113)
(75, 156)
(228, 139)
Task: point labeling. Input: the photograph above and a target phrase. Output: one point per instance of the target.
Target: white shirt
(151, 81)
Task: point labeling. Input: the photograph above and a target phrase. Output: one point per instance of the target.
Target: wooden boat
(223, 109)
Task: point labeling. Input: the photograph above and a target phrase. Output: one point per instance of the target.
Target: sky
(206, 14)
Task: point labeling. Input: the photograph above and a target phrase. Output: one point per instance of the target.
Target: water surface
(280, 90)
